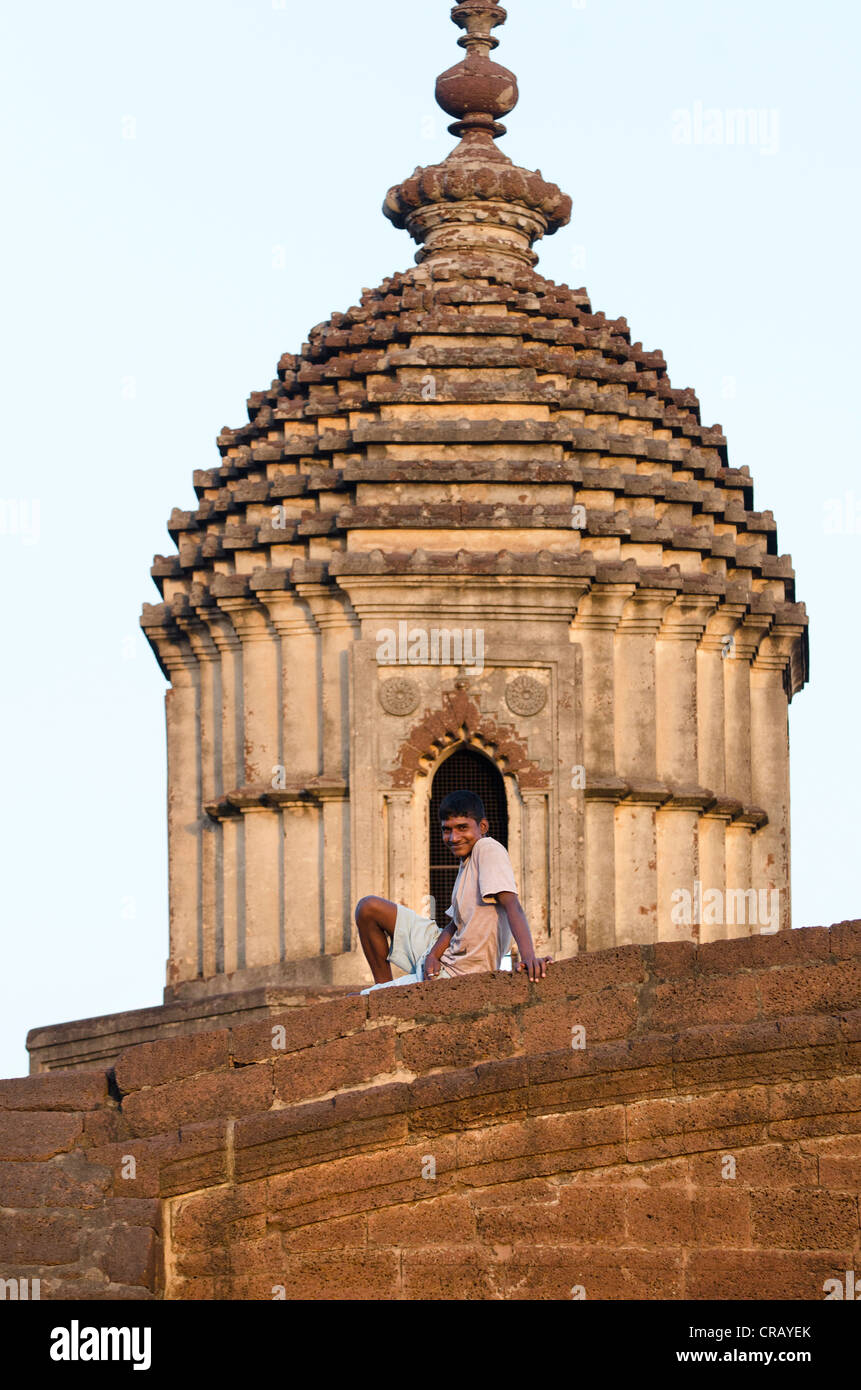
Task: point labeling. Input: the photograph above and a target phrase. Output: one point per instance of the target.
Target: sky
(189, 187)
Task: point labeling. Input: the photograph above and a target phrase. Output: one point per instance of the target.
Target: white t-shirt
(483, 934)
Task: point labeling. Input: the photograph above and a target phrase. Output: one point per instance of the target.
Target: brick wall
(448, 1141)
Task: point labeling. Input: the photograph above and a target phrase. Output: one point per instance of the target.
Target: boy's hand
(432, 967)
(535, 966)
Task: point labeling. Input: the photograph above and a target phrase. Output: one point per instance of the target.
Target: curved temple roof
(471, 417)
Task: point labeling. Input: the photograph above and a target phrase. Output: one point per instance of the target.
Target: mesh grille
(467, 771)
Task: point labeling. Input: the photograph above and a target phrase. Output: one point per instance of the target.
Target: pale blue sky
(190, 186)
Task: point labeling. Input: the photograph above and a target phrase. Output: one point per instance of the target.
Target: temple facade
(472, 535)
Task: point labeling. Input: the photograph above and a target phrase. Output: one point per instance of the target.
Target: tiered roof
(470, 398)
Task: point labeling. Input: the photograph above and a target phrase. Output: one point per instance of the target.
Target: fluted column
(594, 630)
(635, 721)
(209, 663)
(339, 628)
(714, 650)
(770, 744)
(184, 809)
(301, 758)
(677, 821)
(536, 834)
(261, 672)
(739, 833)
(230, 837)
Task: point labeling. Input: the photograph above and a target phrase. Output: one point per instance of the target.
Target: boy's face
(460, 833)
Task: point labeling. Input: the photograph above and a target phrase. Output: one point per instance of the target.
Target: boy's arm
(440, 946)
(535, 966)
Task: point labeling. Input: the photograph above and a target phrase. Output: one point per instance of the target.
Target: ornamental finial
(477, 91)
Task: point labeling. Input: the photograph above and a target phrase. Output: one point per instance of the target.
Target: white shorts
(414, 937)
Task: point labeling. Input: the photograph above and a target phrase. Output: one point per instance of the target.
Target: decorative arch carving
(461, 721)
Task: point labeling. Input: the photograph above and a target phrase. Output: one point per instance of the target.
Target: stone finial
(477, 90)
(477, 202)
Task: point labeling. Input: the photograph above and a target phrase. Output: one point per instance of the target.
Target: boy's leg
(375, 919)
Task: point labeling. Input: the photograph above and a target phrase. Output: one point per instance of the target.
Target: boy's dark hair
(463, 804)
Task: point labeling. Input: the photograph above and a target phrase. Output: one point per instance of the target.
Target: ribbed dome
(374, 428)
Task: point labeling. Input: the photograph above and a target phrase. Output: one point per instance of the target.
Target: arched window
(470, 771)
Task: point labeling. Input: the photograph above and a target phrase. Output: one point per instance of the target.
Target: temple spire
(477, 203)
(477, 90)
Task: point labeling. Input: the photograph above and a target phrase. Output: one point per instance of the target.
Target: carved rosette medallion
(525, 696)
(399, 696)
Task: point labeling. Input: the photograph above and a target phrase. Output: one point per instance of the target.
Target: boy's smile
(461, 833)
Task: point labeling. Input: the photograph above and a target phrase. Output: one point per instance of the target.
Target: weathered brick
(360, 1182)
(534, 1190)
(785, 1065)
(850, 1025)
(202, 1220)
(445, 1220)
(763, 952)
(666, 1217)
(804, 1220)
(370, 1275)
(662, 1128)
(767, 1165)
(281, 1139)
(264, 1257)
(811, 989)
(605, 1072)
(535, 1272)
(581, 1215)
(672, 960)
(332, 1065)
(66, 1181)
(612, 1013)
(156, 1063)
(297, 1028)
(664, 1172)
(460, 1272)
(345, 1233)
(208, 1097)
(29, 1134)
(464, 996)
(592, 973)
(767, 1274)
(133, 1256)
(40, 1238)
(762, 1035)
(840, 1172)
(837, 1095)
(55, 1090)
(700, 1000)
(449, 1101)
(459, 1043)
(846, 940)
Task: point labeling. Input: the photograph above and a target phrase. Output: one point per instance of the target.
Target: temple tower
(472, 519)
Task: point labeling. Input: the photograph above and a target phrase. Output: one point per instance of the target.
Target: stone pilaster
(300, 756)
(261, 671)
(230, 836)
(741, 650)
(635, 722)
(594, 629)
(769, 703)
(209, 664)
(677, 757)
(184, 808)
(339, 628)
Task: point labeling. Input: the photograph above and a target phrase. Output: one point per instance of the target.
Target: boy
(485, 912)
